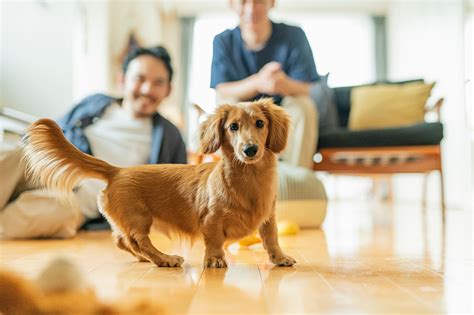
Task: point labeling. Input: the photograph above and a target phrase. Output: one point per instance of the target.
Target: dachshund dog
(220, 201)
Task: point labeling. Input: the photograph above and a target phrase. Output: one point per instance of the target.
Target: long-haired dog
(220, 201)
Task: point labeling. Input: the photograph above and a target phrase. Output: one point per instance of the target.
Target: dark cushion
(419, 134)
(95, 224)
(343, 98)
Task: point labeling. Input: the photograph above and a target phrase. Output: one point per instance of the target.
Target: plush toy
(60, 289)
(284, 228)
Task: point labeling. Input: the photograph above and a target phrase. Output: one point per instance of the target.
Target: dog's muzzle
(250, 150)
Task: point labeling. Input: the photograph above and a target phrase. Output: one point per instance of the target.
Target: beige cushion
(302, 198)
(388, 105)
(308, 213)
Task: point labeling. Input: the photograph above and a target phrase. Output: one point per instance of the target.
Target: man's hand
(281, 83)
(271, 79)
(270, 68)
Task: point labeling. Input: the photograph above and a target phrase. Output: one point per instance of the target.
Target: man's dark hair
(159, 52)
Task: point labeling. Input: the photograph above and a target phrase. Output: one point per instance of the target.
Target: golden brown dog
(221, 200)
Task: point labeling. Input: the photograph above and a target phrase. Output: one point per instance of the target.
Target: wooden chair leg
(383, 187)
(441, 181)
(443, 204)
(389, 182)
(375, 187)
(425, 190)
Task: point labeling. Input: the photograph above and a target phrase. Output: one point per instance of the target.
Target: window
(342, 44)
(205, 28)
(469, 69)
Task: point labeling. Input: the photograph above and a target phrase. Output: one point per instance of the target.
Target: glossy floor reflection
(368, 258)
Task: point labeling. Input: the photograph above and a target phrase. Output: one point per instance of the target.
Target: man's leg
(221, 99)
(303, 137)
(11, 172)
(38, 213)
(34, 213)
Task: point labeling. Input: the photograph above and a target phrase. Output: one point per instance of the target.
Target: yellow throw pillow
(388, 105)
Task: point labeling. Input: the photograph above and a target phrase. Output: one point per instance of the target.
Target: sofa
(411, 148)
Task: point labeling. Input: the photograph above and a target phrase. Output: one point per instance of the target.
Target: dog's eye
(259, 123)
(234, 126)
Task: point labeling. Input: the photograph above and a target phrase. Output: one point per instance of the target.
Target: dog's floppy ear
(279, 123)
(211, 130)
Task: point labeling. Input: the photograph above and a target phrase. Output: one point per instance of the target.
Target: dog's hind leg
(137, 237)
(141, 244)
(134, 235)
(121, 243)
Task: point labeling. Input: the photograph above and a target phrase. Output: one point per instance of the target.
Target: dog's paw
(215, 262)
(170, 261)
(142, 259)
(283, 260)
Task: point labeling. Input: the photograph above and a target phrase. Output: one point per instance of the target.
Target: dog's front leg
(214, 239)
(269, 234)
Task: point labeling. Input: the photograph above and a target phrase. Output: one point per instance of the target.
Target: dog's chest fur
(240, 222)
(249, 204)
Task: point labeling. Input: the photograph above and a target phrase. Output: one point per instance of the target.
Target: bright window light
(342, 45)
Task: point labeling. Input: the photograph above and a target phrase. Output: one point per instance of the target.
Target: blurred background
(53, 53)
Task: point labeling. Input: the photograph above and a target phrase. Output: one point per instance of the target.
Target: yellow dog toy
(285, 228)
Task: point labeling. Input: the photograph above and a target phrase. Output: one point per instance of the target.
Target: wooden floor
(368, 258)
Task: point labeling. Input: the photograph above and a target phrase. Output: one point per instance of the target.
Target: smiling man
(130, 131)
(125, 132)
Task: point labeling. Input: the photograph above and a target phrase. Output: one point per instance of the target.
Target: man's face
(145, 85)
(252, 13)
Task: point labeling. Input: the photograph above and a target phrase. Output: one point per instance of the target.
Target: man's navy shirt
(287, 45)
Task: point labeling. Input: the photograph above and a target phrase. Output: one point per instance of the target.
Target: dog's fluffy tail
(55, 163)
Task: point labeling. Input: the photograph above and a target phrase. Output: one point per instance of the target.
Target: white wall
(171, 107)
(141, 17)
(91, 68)
(36, 56)
(1, 54)
(469, 36)
(425, 39)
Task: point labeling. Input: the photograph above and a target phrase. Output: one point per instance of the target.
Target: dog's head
(246, 130)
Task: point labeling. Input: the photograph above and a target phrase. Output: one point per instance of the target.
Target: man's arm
(239, 90)
(277, 83)
(264, 82)
(287, 86)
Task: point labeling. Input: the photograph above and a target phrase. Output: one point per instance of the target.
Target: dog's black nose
(250, 150)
